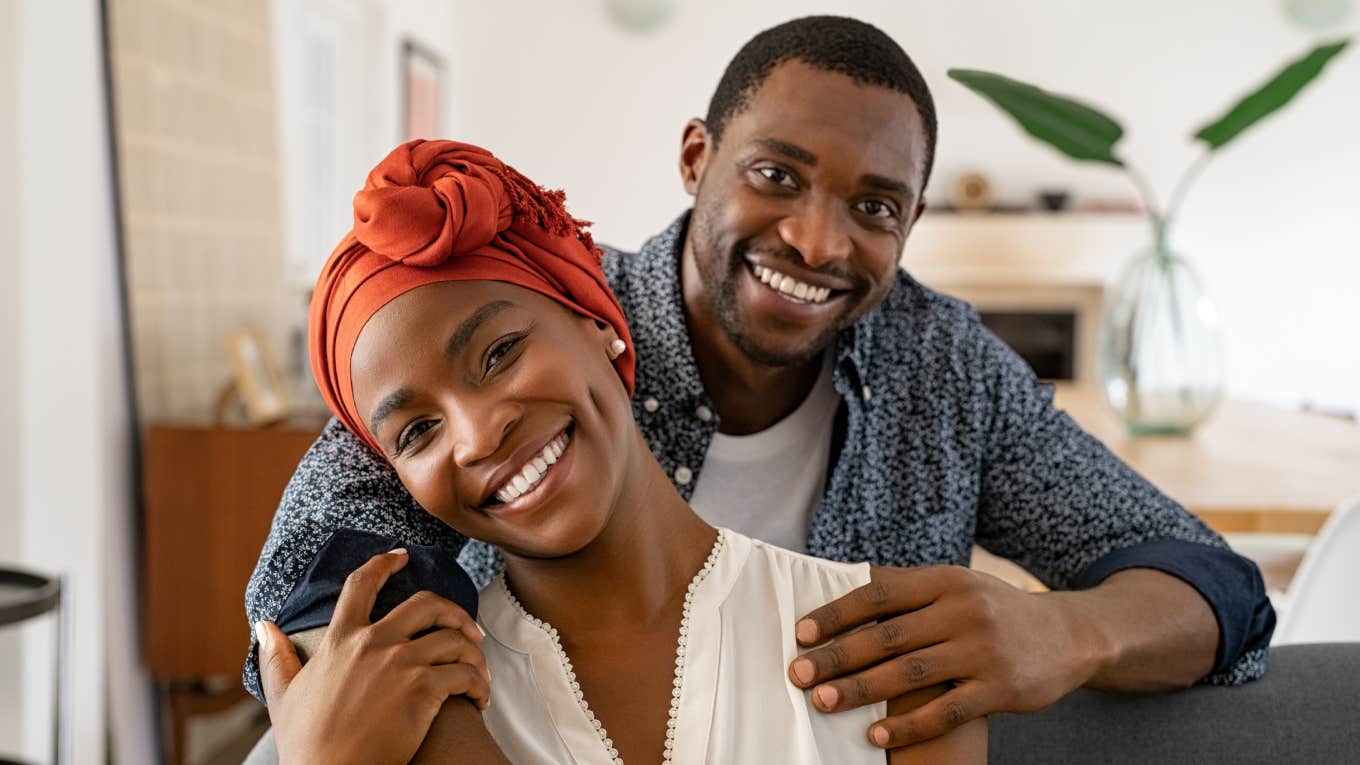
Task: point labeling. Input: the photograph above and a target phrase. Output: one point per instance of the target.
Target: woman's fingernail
(880, 736)
(262, 635)
(828, 696)
(398, 551)
(803, 670)
(806, 630)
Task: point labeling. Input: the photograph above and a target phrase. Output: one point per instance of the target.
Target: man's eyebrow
(884, 183)
(463, 335)
(387, 406)
(793, 152)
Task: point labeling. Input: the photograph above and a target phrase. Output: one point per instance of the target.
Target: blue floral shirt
(944, 439)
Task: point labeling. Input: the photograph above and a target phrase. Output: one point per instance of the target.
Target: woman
(464, 331)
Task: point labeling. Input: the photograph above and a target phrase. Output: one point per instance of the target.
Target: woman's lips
(534, 470)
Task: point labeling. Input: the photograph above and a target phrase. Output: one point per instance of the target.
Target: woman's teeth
(533, 471)
(791, 286)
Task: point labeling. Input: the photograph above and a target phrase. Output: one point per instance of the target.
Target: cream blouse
(734, 701)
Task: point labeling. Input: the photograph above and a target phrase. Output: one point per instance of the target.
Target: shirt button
(683, 475)
(868, 394)
(650, 405)
(704, 413)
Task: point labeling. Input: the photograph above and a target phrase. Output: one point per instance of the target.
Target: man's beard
(720, 279)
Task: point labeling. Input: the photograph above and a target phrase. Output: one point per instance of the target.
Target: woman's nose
(819, 232)
(478, 430)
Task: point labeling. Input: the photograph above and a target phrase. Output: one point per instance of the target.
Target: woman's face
(500, 410)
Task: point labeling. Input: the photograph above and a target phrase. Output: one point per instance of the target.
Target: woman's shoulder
(805, 579)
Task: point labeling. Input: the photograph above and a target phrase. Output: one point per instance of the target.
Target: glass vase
(1161, 359)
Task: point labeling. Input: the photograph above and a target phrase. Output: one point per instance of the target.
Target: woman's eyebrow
(469, 326)
(387, 406)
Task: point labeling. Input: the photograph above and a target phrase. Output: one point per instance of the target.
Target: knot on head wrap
(435, 211)
(430, 200)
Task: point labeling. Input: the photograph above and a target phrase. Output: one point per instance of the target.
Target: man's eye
(499, 351)
(412, 432)
(876, 208)
(778, 175)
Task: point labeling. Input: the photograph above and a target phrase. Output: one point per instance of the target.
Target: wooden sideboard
(210, 494)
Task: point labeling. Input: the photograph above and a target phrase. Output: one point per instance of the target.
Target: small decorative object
(1318, 14)
(1053, 200)
(1161, 349)
(970, 191)
(640, 16)
(256, 381)
(422, 88)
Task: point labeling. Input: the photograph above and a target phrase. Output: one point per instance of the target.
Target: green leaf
(1269, 97)
(1071, 127)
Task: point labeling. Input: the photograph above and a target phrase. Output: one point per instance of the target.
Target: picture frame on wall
(256, 379)
(422, 87)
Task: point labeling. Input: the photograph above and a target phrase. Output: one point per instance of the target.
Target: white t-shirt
(735, 703)
(768, 485)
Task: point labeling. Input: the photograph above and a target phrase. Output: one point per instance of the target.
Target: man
(798, 386)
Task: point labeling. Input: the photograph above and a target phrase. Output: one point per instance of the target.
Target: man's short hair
(858, 50)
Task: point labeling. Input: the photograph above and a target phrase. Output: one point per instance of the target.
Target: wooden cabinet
(209, 497)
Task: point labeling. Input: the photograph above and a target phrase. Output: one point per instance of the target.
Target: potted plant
(1161, 348)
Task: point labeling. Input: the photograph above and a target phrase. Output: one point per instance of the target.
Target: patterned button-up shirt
(944, 439)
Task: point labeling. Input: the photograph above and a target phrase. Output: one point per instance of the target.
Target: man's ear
(695, 147)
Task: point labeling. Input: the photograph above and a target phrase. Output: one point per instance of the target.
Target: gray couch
(1306, 709)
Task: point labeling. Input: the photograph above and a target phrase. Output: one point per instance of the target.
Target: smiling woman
(479, 351)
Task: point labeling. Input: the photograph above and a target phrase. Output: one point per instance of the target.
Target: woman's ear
(609, 340)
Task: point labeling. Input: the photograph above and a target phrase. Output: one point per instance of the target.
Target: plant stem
(1150, 202)
(1192, 172)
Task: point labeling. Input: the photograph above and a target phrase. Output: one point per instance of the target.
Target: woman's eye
(777, 175)
(412, 432)
(499, 351)
(876, 208)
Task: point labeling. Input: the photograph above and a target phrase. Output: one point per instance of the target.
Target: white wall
(72, 427)
(10, 660)
(343, 58)
(559, 91)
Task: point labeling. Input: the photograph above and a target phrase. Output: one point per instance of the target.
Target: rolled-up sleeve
(1057, 502)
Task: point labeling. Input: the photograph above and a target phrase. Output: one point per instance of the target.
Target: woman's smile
(533, 478)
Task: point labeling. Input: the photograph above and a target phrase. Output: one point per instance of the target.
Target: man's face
(801, 212)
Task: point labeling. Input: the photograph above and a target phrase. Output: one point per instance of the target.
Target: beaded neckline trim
(681, 648)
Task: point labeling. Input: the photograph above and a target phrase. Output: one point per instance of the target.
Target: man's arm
(340, 483)
(1058, 502)
(1161, 601)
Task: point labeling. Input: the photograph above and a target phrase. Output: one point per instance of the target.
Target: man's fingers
(890, 679)
(934, 719)
(869, 646)
(892, 591)
(424, 610)
(279, 662)
(361, 588)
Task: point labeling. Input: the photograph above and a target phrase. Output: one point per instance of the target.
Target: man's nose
(819, 231)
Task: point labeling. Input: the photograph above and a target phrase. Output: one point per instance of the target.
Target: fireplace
(1036, 279)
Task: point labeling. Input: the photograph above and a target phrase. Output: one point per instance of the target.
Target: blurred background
(179, 170)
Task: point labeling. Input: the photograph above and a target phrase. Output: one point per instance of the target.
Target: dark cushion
(1305, 709)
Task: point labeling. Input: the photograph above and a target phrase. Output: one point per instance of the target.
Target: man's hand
(1004, 650)
(371, 691)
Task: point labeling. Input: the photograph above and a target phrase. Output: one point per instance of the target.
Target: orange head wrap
(438, 211)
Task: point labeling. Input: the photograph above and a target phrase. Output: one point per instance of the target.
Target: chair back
(1323, 604)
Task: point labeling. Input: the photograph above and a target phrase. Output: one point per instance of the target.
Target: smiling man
(798, 386)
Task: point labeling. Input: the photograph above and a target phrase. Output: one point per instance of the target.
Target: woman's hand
(371, 691)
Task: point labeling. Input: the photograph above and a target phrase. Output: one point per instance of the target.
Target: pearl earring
(617, 348)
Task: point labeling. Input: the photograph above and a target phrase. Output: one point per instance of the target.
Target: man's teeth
(791, 286)
(533, 471)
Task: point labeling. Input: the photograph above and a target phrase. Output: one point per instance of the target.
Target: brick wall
(199, 176)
